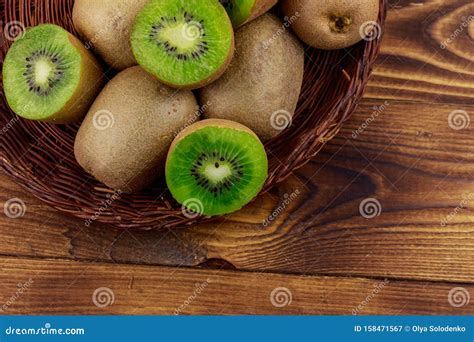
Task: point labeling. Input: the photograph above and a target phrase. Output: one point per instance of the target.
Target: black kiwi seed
(215, 158)
(54, 78)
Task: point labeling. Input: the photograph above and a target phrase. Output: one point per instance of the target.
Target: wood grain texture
(399, 148)
(64, 287)
(408, 158)
(427, 53)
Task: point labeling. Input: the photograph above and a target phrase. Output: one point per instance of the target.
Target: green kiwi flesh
(48, 75)
(220, 164)
(242, 11)
(183, 43)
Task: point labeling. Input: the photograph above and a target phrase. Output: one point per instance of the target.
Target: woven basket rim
(38, 156)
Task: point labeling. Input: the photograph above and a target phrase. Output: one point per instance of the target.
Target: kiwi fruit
(331, 24)
(262, 85)
(126, 135)
(106, 25)
(243, 11)
(48, 75)
(215, 167)
(183, 43)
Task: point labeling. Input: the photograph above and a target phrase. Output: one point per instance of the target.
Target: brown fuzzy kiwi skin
(316, 21)
(260, 7)
(130, 154)
(209, 123)
(106, 25)
(90, 84)
(265, 76)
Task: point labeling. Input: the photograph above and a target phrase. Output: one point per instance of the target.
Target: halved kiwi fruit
(183, 43)
(48, 75)
(220, 164)
(243, 11)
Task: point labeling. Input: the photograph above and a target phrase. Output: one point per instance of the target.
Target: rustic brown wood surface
(408, 150)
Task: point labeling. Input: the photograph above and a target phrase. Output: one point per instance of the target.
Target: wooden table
(319, 255)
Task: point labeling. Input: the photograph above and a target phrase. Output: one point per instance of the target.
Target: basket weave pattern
(40, 156)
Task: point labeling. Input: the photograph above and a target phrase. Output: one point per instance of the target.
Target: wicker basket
(40, 157)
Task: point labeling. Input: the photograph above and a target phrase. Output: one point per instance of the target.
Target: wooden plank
(64, 287)
(408, 158)
(427, 53)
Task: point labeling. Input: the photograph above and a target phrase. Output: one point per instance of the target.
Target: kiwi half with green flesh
(243, 11)
(183, 43)
(216, 166)
(106, 25)
(48, 75)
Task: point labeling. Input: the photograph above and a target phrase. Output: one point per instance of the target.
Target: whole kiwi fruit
(261, 87)
(126, 135)
(106, 25)
(332, 24)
